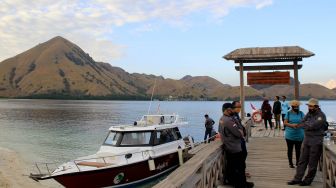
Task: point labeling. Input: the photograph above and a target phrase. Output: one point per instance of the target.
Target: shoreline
(14, 172)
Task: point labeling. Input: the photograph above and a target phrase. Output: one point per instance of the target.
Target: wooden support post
(296, 81)
(242, 94)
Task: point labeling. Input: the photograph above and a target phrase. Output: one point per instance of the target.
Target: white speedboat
(130, 154)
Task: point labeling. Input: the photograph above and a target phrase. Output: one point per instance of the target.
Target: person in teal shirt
(294, 135)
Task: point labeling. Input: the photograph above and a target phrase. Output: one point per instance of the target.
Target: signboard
(269, 78)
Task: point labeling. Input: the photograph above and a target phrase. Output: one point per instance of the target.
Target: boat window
(112, 138)
(135, 138)
(165, 136)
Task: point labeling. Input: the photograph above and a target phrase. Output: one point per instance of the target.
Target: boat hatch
(157, 119)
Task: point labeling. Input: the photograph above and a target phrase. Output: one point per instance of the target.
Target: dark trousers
(277, 121)
(310, 156)
(244, 151)
(207, 132)
(290, 146)
(269, 121)
(235, 169)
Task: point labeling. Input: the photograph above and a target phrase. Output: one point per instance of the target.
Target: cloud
(90, 23)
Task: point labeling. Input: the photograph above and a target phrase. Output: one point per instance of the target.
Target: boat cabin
(151, 130)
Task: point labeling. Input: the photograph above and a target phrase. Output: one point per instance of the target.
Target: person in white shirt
(284, 110)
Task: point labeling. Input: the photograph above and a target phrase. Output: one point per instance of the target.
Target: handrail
(205, 169)
(329, 165)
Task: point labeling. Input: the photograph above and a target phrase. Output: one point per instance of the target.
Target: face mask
(231, 112)
(312, 111)
(295, 108)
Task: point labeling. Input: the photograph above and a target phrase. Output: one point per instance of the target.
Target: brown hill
(334, 90)
(306, 91)
(61, 68)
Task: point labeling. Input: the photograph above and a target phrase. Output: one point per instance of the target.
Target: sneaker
(249, 184)
(304, 183)
(294, 182)
(291, 166)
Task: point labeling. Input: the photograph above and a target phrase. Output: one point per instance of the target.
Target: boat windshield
(112, 138)
(136, 138)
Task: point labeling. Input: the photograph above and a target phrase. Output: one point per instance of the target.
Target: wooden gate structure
(268, 55)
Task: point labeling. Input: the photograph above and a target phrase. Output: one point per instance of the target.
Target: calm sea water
(61, 130)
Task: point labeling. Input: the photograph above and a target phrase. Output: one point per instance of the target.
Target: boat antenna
(150, 104)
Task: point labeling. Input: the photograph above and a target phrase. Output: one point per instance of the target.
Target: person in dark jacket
(208, 127)
(236, 107)
(277, 112)
(231, 135)
(314, 125)
(266, 111)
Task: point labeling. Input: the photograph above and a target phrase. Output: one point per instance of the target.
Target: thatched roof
(269, 54)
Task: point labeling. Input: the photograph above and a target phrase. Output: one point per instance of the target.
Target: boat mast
(150, 104)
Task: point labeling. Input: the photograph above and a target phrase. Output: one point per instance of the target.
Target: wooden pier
(266, 162)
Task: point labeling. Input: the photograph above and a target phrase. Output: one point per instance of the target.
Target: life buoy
(257, 116)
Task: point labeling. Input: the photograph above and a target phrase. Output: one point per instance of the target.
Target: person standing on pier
(236, 107)
(231, 135)
(284, 110)
(294, 135)
(208, 127)
(314, 124)
(266, 111)
(277, 112)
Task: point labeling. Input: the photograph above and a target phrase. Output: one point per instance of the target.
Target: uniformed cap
(295, 103)
(226, 106)
(313, 102)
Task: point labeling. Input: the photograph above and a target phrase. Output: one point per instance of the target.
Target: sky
(174, 38)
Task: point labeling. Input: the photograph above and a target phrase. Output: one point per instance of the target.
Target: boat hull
(122, 176)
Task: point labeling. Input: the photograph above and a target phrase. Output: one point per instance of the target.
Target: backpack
(326, 126)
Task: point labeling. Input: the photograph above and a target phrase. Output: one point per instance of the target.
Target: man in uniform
(231, 135)
(314, 125)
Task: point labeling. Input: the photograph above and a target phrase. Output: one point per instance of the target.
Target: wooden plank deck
(267, 160)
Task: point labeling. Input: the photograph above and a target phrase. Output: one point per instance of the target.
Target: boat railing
(46, 169)
(43, 169)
